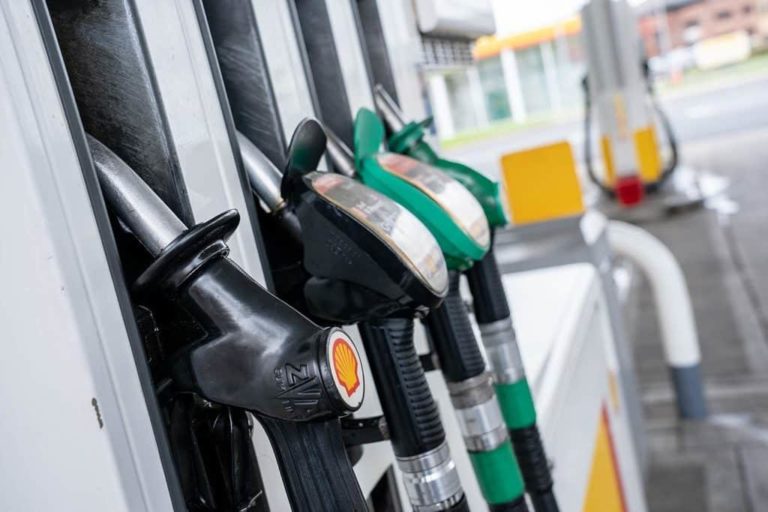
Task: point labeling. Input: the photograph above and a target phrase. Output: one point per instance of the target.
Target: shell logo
(345, 365)
(346, 368)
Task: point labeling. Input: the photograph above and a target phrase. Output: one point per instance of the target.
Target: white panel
(348, 46)
(67, 364)
(197, 126)
(286, 70)
(398, 21)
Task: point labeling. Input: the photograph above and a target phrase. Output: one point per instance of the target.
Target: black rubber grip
(535, 467)
(453, 338)
(411, 413)
(314, 465)
(488, 297)
(461, 506)
(519, 505)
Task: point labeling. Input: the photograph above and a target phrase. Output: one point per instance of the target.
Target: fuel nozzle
(258, 353)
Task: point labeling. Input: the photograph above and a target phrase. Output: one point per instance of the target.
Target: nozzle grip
(411, 413)
(314, 465)
(453, 338)
(488, 297)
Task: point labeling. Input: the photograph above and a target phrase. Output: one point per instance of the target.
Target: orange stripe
(490, 46)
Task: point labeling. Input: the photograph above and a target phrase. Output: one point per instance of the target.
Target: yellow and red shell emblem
(345, 365)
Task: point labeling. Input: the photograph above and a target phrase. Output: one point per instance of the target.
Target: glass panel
(459, 95)
(494, 88)
(532, 81)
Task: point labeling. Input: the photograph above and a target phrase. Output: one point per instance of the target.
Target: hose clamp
(480, 419)
(431, 480)
(502, 351)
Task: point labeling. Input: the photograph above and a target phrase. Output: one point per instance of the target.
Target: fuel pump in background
(620, 103)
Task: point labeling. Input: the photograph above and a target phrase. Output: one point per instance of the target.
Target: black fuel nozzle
(258, 353)
(371, 261)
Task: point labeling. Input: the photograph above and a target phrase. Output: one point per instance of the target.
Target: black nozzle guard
(259, 353)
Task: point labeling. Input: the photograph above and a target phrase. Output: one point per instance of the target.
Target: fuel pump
(252, 351)
(619, 95)
(457, 221)
(369, 260)
(490, 306)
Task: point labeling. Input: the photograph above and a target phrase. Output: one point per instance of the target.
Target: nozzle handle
(488, 297)
(453, 338)
(411, 413)
(314, 465)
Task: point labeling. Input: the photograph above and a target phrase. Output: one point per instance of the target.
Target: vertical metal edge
(375, 50)
(230, 126)
(174, 160)
(334, 111)
(110, 249)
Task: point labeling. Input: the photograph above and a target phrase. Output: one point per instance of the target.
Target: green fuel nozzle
(450, 212)
(408, 138)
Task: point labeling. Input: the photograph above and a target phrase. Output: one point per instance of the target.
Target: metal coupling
(502, 351)
(431, 480)
(480, 419)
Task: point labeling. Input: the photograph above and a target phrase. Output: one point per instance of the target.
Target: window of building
(494, 88)
(724, 15)
(747, 9)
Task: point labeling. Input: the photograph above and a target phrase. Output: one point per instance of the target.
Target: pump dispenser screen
(452, 197)
(390, 222)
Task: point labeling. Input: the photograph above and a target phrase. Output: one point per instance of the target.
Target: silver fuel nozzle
(137, 205)
(265, 178)
(341, 156)
(388, 109)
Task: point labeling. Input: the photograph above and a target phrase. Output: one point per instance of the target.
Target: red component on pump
(630, 190)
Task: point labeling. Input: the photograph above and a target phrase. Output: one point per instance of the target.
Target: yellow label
(541, 184)
(647, 152)
(604, 493)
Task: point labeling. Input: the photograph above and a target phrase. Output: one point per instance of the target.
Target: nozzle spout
(263, 175)
(341, 156)
(388, 109)
(136, 205)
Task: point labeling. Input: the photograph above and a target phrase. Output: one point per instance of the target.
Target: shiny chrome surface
(263, 176)
(431, 480)
(502, 351)
(482, 426)
(147, 216)
(341, 156)
(388, 109)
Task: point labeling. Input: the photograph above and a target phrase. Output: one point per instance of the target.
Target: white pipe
(678, 329)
